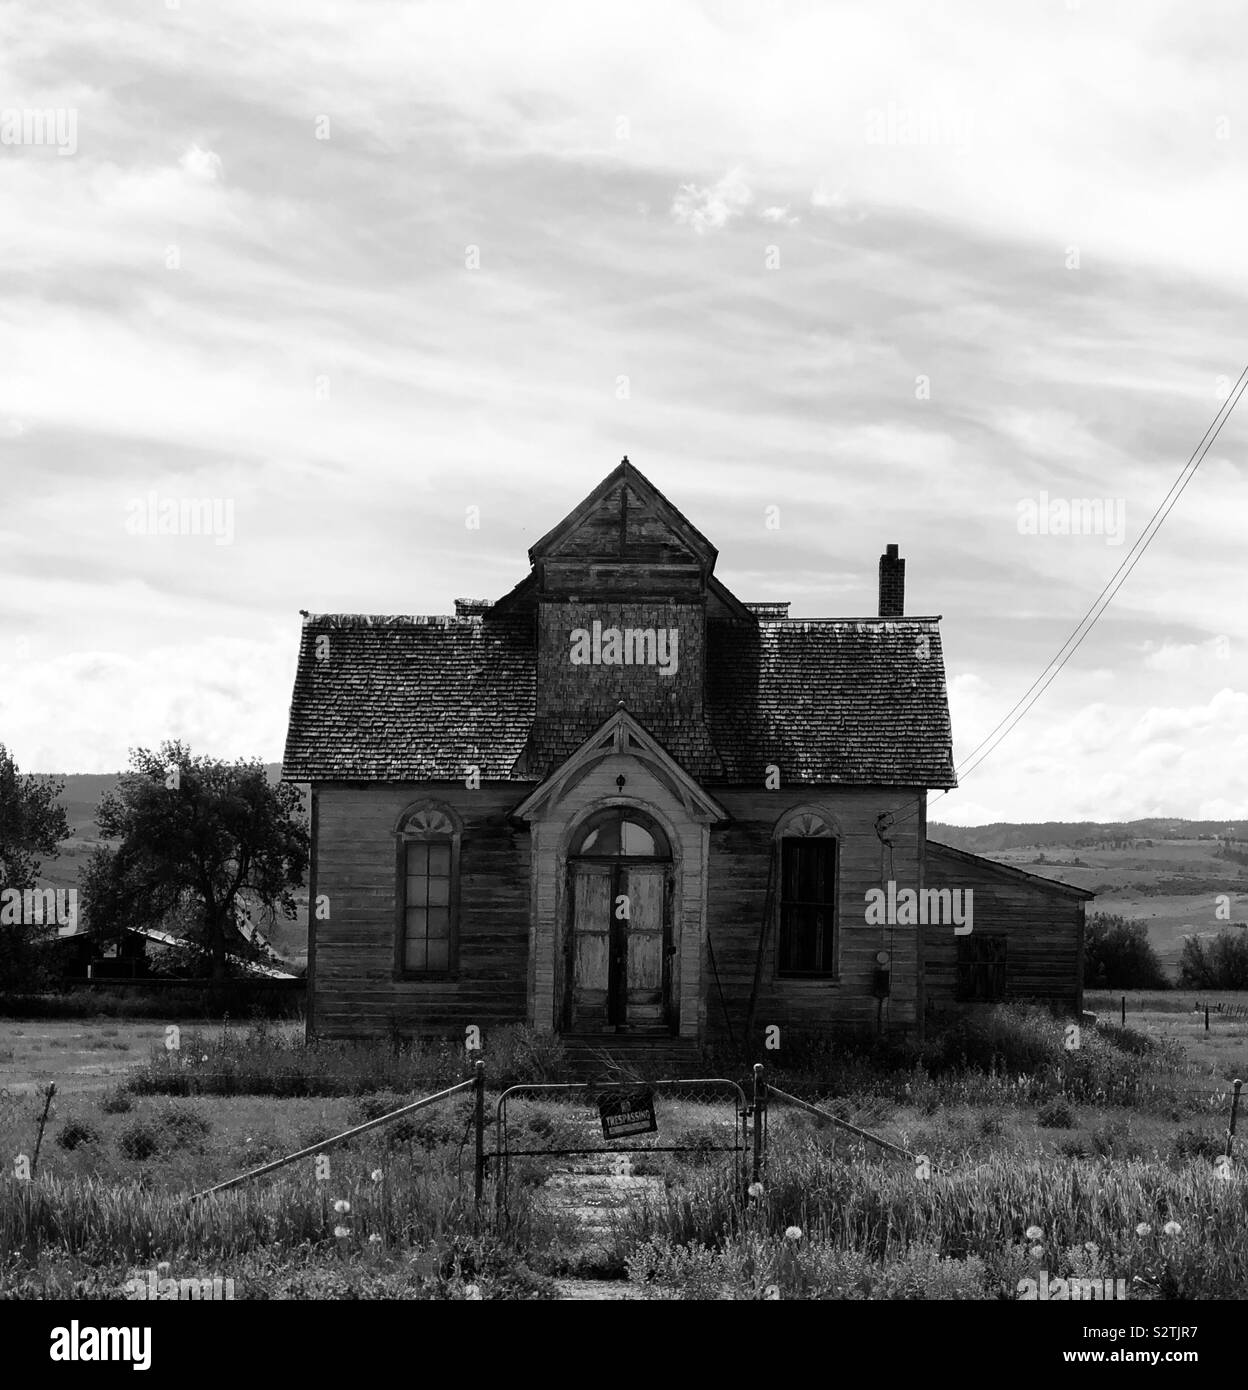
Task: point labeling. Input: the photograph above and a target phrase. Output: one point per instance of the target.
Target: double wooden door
(621, 968)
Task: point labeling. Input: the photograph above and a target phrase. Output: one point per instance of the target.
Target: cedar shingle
(425, 699)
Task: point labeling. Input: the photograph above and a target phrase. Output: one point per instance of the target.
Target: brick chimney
(892, 584)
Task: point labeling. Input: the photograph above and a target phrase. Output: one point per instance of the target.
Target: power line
(1115, 582)
(1124, 570)
(1144, 539)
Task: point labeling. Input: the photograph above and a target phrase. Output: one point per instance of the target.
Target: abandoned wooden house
(619, 802)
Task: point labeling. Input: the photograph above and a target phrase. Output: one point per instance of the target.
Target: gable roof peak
(647, 494)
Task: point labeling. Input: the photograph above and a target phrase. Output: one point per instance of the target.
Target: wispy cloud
(203, 165)
(709, 209)
(834, 204)
(780, 216)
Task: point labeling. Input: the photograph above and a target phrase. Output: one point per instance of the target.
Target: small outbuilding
(1026, 942)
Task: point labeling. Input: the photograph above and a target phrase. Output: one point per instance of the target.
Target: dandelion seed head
(1033, 1233)
(793, 1233)
(756, 1189)
(376, 1174)
(1172, 1228)
(341, 1232)
(342, 1207)
(1143, 1229)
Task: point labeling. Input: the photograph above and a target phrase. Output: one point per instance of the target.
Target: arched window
(621, 833)
(806, 943)
(428, 892)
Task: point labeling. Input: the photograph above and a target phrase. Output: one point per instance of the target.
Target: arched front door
(621, 966)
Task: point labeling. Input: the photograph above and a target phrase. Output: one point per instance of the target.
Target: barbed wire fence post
(1230, 1129)
(43, 1120)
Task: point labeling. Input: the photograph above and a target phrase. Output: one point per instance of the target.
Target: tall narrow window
(807, 936)
(428, 868)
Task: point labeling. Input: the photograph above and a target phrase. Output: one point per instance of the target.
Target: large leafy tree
(203, 844)
(1119, 955)
(1215, 962)
(32, 823)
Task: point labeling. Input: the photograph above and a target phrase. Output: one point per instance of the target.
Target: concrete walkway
(593, 1194)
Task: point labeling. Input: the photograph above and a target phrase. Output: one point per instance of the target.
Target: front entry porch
(620, 838)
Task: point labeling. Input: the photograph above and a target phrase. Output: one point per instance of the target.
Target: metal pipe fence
(764, 1089)
(477, 1084)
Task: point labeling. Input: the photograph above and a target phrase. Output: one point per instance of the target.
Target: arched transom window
(806, 825)
(621, 833)
(806, 942)
(428, 892)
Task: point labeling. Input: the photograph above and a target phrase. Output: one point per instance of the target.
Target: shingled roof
(857, 700)
(410, 698)
(831, 700)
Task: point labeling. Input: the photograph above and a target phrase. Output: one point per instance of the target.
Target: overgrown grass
(110, 1222)
(356, 1235)
(988, 1100)
(473, 1268)
(268, 1060)
(863, 1225)
(1007, 1056)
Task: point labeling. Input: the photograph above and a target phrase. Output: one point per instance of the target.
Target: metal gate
(705, 1117)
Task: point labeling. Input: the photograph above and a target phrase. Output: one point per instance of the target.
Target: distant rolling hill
(985, 839)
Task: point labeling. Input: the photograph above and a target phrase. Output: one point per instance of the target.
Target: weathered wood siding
(354, 991)
(737, 877)
(1042, 923)
(621, 544)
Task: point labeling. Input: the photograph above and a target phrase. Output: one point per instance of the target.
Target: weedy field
(79, 1056)
(1103, 1161)
(1219, 1052)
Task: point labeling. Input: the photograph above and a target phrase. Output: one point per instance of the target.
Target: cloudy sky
(899, 270)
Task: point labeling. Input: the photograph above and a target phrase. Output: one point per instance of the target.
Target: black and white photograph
(623, 676)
